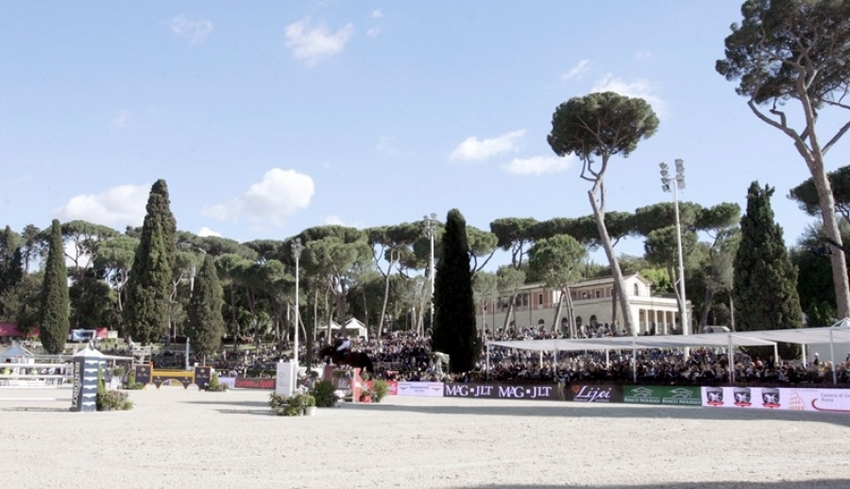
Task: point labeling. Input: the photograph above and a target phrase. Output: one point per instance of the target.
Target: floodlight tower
(430, 233)
(675, 184)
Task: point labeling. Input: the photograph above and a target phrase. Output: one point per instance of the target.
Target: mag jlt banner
(504, 391)
(645, 394)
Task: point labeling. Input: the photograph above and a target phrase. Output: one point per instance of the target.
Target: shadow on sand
(812, 484)
(573, 410)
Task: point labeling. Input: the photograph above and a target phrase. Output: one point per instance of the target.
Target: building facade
(537, 306)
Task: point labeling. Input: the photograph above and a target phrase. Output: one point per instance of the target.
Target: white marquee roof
(839, 333)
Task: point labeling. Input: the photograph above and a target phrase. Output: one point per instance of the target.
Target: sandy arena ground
(176, 438)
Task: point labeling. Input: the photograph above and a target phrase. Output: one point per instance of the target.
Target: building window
(637, 291)
(539, 299)
(598, 294)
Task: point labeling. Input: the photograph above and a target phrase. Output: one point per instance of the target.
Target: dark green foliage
(11, 271)
(764, 278)
(92, 302)
(781, 41)
(806, 195)
(108, 400)
(324, 393)
(601, 124)
(814, 273)
(205, 327)
(146, 313)
(215, 385)
(455, 332)
(379, 390)
(54, 312)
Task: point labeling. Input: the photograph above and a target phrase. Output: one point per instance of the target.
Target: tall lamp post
(430, 233)
(675, 184)
(296, 252)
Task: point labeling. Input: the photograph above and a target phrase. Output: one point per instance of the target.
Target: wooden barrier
(200, 376)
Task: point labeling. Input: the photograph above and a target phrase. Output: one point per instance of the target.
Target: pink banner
(790, 399)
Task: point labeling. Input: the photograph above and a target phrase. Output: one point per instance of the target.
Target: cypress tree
(765, 280)
(205, 325)
(54, 305)
(149, 288)
(454, 304)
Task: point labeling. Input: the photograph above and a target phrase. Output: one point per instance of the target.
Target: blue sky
(266, 118)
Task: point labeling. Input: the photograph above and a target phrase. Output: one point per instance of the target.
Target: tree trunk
(813, 156)
(508, 315)
(555, 326)
(614, 294)
(625, 306)
(571, 319)
(386, 299)
(709, 296)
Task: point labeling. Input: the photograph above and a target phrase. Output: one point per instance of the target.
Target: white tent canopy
(629, 342)
(352, 325)
(838, 332)
(15, 353)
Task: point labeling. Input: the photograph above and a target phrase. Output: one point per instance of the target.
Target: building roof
(591, 282)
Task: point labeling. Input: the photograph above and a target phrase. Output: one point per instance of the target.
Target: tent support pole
(731, 356)
(832, 358)
(487, 362)
(634, 361)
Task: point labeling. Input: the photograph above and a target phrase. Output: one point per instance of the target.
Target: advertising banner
(595, 393)
(504, 391)
(420, 389)
(252, 383)
(644, 394)
(792, 399)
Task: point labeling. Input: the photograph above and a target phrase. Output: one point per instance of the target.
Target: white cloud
(118, 206)
(377, 14)
(387, 148)
(205, 231)
(538, 165)
(194, 30)
(643, 54)
(315, 44)
(638, 88)
(334, 220)
(472, 149)
(577, 71)
(373, 32)
(279, 195)
(121, 119)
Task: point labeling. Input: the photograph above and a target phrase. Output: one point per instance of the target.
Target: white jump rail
(28, 375)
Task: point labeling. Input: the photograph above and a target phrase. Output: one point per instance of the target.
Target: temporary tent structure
(15, 354)
(352, 327)
(837, 333)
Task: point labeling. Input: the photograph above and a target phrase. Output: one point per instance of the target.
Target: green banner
(648, 394)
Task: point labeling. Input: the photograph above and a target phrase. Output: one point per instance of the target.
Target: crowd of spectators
(405, 356)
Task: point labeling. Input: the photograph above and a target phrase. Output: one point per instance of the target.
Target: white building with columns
(536, 306)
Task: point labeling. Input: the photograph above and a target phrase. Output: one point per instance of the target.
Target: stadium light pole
(431, 232)
(675, 184)
(296, 253)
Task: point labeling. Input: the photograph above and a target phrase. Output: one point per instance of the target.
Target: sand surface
(176, 438)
